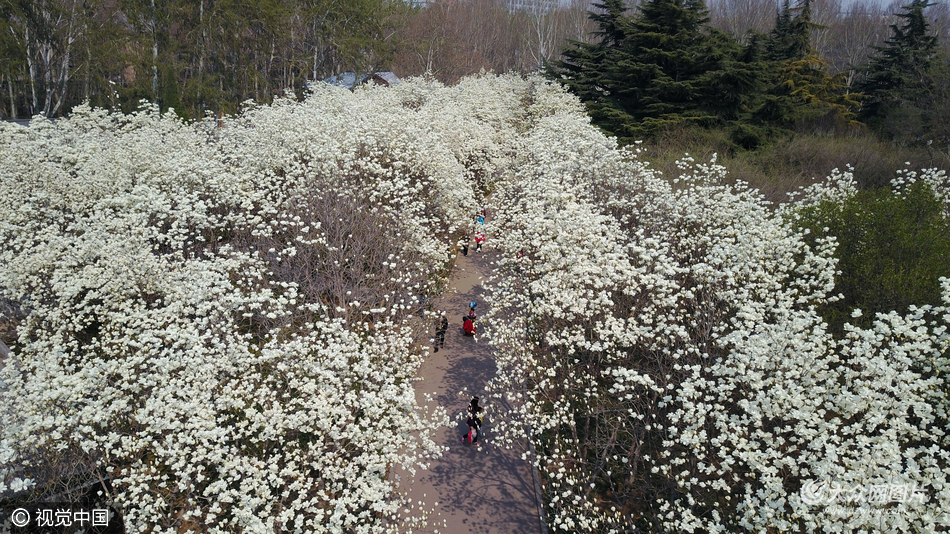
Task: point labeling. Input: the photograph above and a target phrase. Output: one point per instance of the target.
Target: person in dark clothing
(475, 410)
(474, 421)
(442, 326)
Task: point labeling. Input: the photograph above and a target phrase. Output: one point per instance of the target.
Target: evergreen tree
(777, 46)
(583, 67)
(802, 92)
(791, 38)
(901, 69)
(660, 68)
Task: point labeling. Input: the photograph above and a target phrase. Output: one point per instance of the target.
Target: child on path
(468, 325)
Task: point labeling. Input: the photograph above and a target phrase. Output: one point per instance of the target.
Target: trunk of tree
(201, 53)
(62, 83)
(289, 60)
(269, 64)
(47, 57)
(31, 65)
(316, 51)
(154, 54)
(12, 98)
(88, 77)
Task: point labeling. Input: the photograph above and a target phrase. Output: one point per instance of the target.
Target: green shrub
(891, 250)
(747, 136)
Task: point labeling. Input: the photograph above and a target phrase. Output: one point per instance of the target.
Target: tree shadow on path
(479, 489)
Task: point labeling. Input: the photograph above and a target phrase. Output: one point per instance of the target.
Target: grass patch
(792, 161)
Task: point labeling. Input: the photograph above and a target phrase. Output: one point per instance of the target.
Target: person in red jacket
(479, 239)
(468, 325)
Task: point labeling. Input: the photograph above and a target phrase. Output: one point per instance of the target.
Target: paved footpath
(479, 490)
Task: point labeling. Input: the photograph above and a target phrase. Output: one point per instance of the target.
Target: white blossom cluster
(222, 321)
(660, 339)
(935, 179)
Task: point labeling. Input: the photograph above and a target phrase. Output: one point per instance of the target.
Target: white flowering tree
(222, 322)
(661, 339)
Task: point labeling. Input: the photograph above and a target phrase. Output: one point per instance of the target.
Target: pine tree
(791, 38)
(901, 68)
(583, 69)
(801, 89)
(777, 46)
(698, 76)
(660, 68)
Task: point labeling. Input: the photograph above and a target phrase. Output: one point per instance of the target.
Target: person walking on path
(479, 239)
(474, 422)
(475, 410)
(442, 326)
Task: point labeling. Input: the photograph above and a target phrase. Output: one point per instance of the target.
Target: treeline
(210, 55)
(189, 55)
(665, 66)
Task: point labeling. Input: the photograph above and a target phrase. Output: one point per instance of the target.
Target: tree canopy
(659, 67)
(664, 66)
(900, 76)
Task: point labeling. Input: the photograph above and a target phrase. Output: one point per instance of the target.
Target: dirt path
(479, 490)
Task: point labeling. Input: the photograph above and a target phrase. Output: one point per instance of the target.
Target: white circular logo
(20, 517)
(815, 492)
